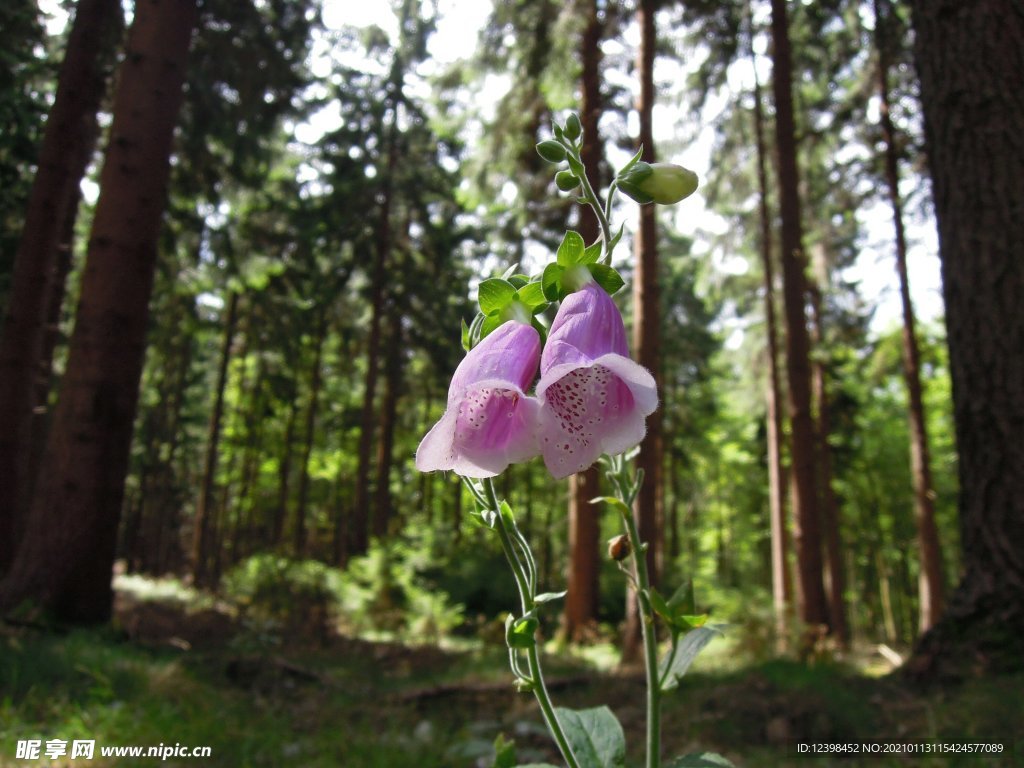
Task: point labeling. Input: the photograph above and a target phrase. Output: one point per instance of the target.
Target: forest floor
(172, 674)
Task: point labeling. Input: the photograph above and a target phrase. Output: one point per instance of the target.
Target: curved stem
(595, 203)
(649, 638)
(526, 597)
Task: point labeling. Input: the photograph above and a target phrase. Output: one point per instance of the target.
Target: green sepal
(519, 633)
(466, 345)
(551, 280)
(616, 238)
(491, 323)
(571, 250)
(606, 277)
(592, 253)
(518, 280)
(494, 293)
(551, 151)
(632, 161)
(506, 512)
(532, 295)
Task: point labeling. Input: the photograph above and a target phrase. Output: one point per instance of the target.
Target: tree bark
(970, 60)
(932, 580)
(807, 538)
(581, 601)
(646, 335)
(782, 584)
(201, 539)
(65, 560)
(68, 142)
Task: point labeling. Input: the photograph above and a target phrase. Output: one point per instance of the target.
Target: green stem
(526, 598)
(595, 203)
(650, 640)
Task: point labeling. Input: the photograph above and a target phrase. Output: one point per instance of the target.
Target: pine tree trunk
(782, 585)
(382, 508)
(284, 472)
(646, 336)
(971, 68)
(828, 504)
(201, 539)
(316, 379)
(581, 601)
(932, 581)
(811, 590)
(68, 142)
(65, 560)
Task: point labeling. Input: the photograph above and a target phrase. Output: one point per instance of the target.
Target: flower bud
(566, 181)
(663, 183)
(551, 151)
(618, 548)
(573, 129)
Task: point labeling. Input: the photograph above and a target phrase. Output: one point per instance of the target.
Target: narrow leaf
(547, 597)
(550, 281)
(633, 161)
(592, 253)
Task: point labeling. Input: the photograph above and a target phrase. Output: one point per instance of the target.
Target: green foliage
(596, 736)
(298, 597)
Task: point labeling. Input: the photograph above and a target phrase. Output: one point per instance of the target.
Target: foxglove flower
(593, 397)
(490, 422)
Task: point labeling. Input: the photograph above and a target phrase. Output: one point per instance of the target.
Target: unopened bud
(566, 181)
(573, 129)
(618, 548)
(663, 183)
(551, 151)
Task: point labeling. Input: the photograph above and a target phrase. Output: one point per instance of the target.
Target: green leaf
(518, 280)
(617, 237)
(575, 165)
(660, 606)
(702, 760)
(606, 277)
(547, 597)
(550, 281)
(595, 735)
(571, 250)
(592, 253)
(494, 294)
(689, 646)
(532, 295)
(465, 336)
(490, 323)
(520, 632)
(682, 601)
(619, 504)
(504, 752)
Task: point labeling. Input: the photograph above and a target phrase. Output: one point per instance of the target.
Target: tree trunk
(581, 601)
(316, 378)
(382, 508)
(971, 68)
(932, 581)
(284, 472)
(68, 142)
(66, 556)
(782, 585)
(646, 335)
(811, 590)
(201, 539)
(828, 504)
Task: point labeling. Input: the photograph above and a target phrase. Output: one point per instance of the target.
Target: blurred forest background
(237, 240)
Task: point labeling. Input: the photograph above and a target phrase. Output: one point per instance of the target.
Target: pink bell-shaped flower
(490, 422)
(594, 398)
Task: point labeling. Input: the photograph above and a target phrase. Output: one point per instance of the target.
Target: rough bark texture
(931, 581)
(811, 590)
(580, 614)
(782, 584)
(67, 554)
(68, 143)
(970, 60)
(646, 334)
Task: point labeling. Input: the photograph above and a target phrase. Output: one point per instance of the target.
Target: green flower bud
(573, 129)
(551, 151)
(663, 183)
(566, 181)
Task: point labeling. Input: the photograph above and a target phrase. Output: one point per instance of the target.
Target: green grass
(354, 704)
